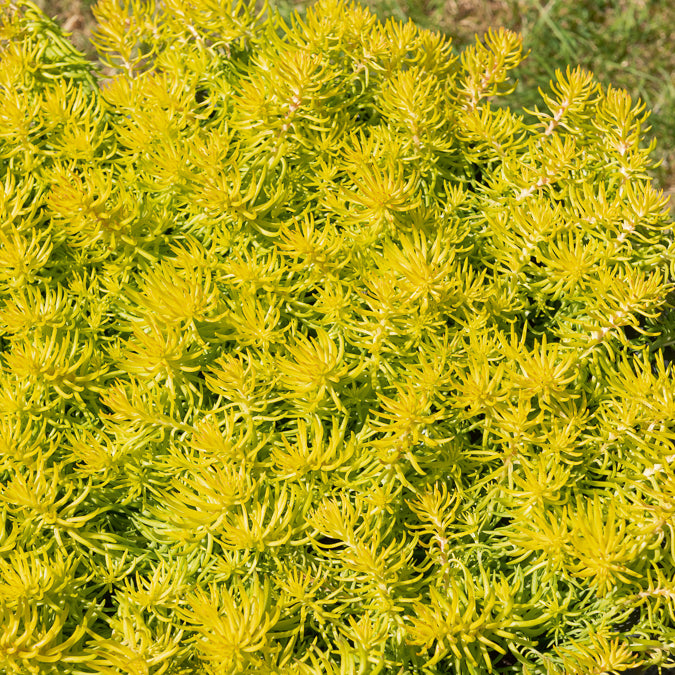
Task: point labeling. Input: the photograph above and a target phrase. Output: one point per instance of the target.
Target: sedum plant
(317, 360)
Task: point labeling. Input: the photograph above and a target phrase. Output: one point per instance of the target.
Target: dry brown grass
(76, 18)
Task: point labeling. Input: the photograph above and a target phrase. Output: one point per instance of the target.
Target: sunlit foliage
(314, 359)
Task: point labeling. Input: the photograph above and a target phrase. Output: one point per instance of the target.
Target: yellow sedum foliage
(314, 359)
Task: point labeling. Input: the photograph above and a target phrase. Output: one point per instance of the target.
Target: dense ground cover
(317, 359)
(628, 43)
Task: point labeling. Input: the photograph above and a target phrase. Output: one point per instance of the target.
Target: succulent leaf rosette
(314, 358)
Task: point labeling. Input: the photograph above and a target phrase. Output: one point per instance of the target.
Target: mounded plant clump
(316, 360)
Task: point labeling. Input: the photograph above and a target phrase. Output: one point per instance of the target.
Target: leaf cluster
(315, 360)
